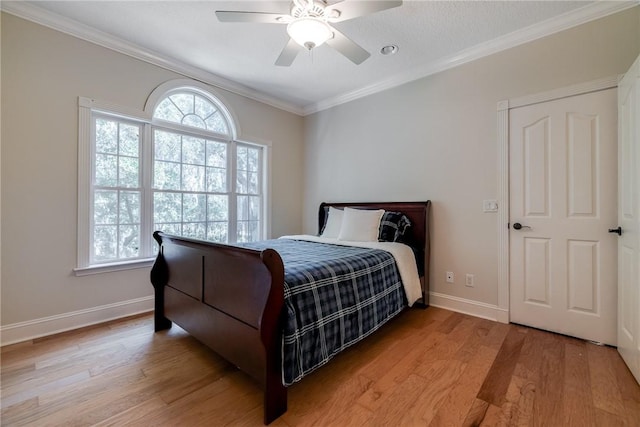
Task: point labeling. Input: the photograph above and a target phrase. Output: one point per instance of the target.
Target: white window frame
(261, 185)
(86, 109)
(143, 245)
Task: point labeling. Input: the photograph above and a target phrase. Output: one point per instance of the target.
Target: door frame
(503, 312)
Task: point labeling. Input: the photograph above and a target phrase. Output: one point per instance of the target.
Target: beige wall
(430, 139)
(43, 73)
(435, 138)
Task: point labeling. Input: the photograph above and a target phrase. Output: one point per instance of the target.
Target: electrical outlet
(469, 280)
(449, 276)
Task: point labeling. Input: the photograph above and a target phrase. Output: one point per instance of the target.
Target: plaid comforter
(334, 297)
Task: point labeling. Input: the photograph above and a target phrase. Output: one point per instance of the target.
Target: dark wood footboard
(230, 299)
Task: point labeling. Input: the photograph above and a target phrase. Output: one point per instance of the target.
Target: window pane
(254, 208)
(217, 123)
(253, 231)
(193, 178)
(241, 182)
(194, 208)
(105, 242)
(217, 208)
(192, 110)
(129, 244)
(193, 150)
(129, 172)
(129, 207)
(167, 146)
(166, 176)
(105, 207)
(218, 232)
(242, 232)
(167, 207)
(216, 154)
(242, 159)
(166, 110)
(169, 228)
(204, 108)
(243, 208)
(253, 183)
(194, 121)
(248, 231)
(129, 140)
(252, 161)
(184, 102)
(216, 180)
(106, 136)
(194, 230)
(106, 170)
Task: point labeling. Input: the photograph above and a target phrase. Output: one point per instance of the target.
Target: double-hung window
(180, 171)
(117, 189)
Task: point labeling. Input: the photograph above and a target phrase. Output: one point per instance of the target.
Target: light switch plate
(489, 206)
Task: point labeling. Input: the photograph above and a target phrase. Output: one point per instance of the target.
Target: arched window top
(191, 106)
(191, 109)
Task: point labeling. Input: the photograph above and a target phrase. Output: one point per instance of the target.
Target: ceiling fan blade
(254, 17)
(353, 9)
(288, 54)
(348, 47)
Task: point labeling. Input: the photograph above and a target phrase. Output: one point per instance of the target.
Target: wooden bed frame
(231, 298)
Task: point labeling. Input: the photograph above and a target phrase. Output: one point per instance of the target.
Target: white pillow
(360, 225)
(334, 222)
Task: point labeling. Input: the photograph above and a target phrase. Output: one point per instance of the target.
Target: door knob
(518, 226)
(616, 230)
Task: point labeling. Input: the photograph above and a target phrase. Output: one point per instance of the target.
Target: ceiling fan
(309, 25)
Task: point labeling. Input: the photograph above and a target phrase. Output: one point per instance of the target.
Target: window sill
(111, 267)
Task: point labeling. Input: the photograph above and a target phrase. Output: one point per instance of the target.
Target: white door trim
(503, 169)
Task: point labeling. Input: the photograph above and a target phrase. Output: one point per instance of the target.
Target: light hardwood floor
(426, 368)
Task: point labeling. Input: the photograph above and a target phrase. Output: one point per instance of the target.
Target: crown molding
(591, 12)
(76, 29)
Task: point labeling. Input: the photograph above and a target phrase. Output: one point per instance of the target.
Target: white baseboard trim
(31, 329)
(470, 307)
(23, 331)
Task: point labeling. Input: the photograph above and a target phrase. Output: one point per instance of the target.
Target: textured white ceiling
(427, 33)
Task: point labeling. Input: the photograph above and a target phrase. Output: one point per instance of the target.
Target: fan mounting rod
(308, 8)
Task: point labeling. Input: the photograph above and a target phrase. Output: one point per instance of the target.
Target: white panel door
(629, 219)
(563, 181)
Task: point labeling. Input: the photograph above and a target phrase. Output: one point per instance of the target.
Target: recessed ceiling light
(389, 50)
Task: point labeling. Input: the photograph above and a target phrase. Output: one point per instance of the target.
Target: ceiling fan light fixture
(309, 32)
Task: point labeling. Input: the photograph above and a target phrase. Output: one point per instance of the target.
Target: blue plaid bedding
(334, 297)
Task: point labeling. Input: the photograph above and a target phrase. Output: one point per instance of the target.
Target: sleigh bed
(235, 300)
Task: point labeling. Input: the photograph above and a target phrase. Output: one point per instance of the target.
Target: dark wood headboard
(418, 233)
